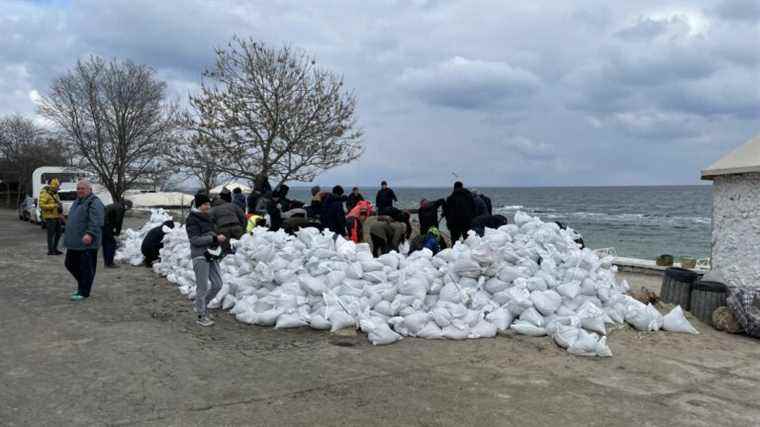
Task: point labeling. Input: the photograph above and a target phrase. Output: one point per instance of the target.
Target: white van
(67, 177)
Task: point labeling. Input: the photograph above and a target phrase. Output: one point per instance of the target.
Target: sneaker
(57, 252)
(51, 253)
(76, 297)
(112, 266)
(204, 321)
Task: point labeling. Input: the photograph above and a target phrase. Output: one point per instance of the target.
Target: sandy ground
(131, 354)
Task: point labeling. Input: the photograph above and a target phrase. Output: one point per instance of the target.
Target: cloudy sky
(501, 93)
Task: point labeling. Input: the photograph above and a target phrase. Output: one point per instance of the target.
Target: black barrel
(706, 297)
(676, 286)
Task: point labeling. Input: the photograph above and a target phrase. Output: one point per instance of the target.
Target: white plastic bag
(675, 321)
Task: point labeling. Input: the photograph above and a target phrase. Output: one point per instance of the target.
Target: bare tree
(192, 158)
(116, 117)
(275, 112)
(24, 147)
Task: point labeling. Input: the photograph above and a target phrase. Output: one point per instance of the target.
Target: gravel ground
(132, 354)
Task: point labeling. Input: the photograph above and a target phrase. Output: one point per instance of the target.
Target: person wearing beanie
(52, 213)
(153, 243)
(204, 252)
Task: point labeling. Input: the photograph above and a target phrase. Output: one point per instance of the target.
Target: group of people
(212, 224)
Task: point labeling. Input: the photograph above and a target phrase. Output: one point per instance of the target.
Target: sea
(639, 222)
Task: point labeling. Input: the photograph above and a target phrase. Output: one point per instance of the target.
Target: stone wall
(736, 228)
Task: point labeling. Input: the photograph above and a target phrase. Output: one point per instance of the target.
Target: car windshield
(62, 177)
(67, 196)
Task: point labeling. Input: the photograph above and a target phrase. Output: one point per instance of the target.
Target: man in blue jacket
(83, 237)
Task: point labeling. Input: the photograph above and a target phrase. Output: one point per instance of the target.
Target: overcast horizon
(502, 95)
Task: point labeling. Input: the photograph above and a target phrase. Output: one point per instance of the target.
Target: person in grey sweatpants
(205, 271)
(200, 231)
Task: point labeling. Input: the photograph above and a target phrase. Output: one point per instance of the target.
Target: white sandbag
(430, 331)
(546, 302)
(675, 321)
(416, 321)
(311, 285)
(566, 335)
(382, 335)
(495, 285)
(569, 290)
(527, 328)
(293, 320)
(268, 318)
(317, 321)
(441, 316)
(340, 320)
(532, 315)
(483, 329)
(501, 318)
(454, 333)
(644, 319)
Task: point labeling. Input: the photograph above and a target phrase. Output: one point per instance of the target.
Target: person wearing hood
(459, 211)
(228, 219)
(82, 238)
(239, 199)
(428, 214)
(153, 243)
(481, 208)
(52, 213)
(114, 219)
(432, 239)
(205, 253)
(333, 215)
(355, 220)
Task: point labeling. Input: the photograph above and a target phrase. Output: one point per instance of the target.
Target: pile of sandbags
(529, 276)
(129, 246)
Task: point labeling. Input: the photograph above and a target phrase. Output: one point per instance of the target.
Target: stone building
(736, 215)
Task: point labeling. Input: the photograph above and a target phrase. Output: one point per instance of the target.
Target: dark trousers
(109, 246)
(379, 246)
(53, 227)
(233, 231)
(81, 264)
(456, 233)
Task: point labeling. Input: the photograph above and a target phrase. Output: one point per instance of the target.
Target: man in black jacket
(333, 215)
(114, 218)
(459, 212)
(384, 199)
(152, 243)
(428, 214)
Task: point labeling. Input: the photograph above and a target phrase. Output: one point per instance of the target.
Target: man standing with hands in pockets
(83, 237)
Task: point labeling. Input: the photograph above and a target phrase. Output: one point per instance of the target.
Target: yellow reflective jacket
(49, 203)
(251, 224)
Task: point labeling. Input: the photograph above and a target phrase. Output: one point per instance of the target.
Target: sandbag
(675, 321)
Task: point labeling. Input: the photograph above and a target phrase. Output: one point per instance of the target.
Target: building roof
(160, 200)
(744, 159)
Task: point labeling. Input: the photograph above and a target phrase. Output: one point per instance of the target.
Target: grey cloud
(740, 10)
(470, 84)
(549, 92)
